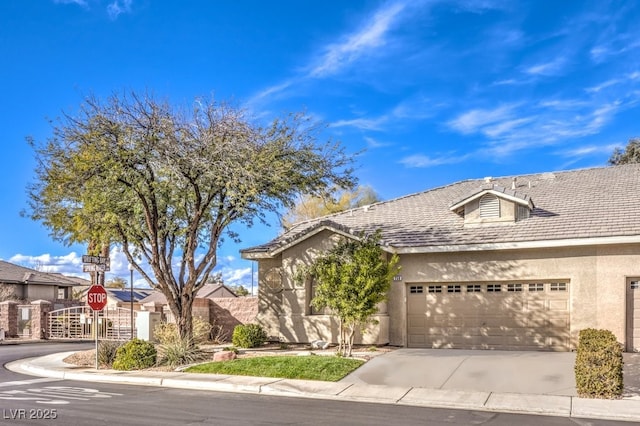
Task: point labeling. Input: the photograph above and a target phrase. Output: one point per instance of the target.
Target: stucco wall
(596, 275)
(44, 292)
(231, 311)
(285, 312)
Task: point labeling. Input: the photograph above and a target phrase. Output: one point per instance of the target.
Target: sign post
(97, 295)
(97, 300)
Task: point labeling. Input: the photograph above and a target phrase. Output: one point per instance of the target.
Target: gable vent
(489, 206)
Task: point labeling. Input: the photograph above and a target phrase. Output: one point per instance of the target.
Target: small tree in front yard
(352, 279)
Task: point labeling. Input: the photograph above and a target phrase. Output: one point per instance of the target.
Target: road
(31, 400)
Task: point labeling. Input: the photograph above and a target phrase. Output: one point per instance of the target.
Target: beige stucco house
(26, 284)
(521, 262)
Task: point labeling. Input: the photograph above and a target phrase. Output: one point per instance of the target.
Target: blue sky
(430, 92)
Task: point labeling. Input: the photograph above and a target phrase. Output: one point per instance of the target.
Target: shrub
(180, 352)
(136, 354)
(598, 367)
(218, 333)
(201, 330)
(231, 349)
(248, 336)
(107, 350)
(167, 333)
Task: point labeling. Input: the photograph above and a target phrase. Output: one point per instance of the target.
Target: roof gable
(497, 190)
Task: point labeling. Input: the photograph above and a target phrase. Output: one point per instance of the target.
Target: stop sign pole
(97, 300)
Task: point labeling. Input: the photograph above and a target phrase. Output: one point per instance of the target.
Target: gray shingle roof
(14, 274)
(586, 203)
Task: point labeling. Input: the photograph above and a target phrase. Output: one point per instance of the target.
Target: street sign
(95, 259)
(94, 267)
(97, 297)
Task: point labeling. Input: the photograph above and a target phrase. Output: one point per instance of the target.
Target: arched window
(489, 206)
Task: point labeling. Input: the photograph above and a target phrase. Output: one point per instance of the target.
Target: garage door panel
(509, 317)
(559, 305)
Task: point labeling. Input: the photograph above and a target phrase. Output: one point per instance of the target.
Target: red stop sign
(97, 297)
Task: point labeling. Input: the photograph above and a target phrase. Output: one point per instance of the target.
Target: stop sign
(97, 297)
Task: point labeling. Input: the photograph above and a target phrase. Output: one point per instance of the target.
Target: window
(536, 287)
(453, 289)
(416, 289)
(494, 288)
(514, 287)
(489, 206)
(62, 293)
(635, 285)
(312, 284)
(435, 289)
(558, 287)
(474, 288)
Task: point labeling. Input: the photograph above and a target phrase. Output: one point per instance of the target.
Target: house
(521, 262)
(25, 284)
(208, 291)
(202, 305)
(216, 304)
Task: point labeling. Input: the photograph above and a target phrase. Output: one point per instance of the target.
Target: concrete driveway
(545, 373)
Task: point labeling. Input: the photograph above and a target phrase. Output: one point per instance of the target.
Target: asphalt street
(32, 400)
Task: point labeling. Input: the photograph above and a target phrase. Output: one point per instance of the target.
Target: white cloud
(275, 91)
(588, 150)
(604, 85)
(362, 123)
(563, 104)
(70, 264)
(476, 119)
(424, 161)
(118, 7)
(373, 143)
(367, 39)
(78, 2)
(508, 126)
(547, 68)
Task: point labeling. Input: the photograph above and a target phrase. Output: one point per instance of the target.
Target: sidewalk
(554, 405)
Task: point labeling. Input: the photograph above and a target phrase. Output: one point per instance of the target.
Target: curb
(548, 405)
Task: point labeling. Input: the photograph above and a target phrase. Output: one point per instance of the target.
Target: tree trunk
(184, 319)
(352, 333)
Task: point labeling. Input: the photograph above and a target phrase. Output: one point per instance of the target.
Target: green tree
(351, 280)
(165, 183)
(313, 206)
(241, 291)
(631, 153)
(117, 282)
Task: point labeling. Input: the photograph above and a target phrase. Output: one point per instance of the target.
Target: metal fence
(79, 323)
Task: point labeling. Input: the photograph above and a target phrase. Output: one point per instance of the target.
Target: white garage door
(520, 316)
(633, 314)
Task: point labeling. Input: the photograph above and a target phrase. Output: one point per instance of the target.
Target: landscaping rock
(319, 344)
(224, 356)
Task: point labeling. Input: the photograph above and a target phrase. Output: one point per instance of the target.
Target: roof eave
(520, 245)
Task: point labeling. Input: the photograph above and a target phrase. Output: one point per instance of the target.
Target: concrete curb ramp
(566, 406)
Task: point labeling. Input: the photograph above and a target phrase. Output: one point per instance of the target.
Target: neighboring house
(120, 297)
(520, 262)
(208, 291)
(216, 304)
(25, 284)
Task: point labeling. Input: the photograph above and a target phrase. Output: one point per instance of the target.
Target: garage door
(514, 315)
(633, 314)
